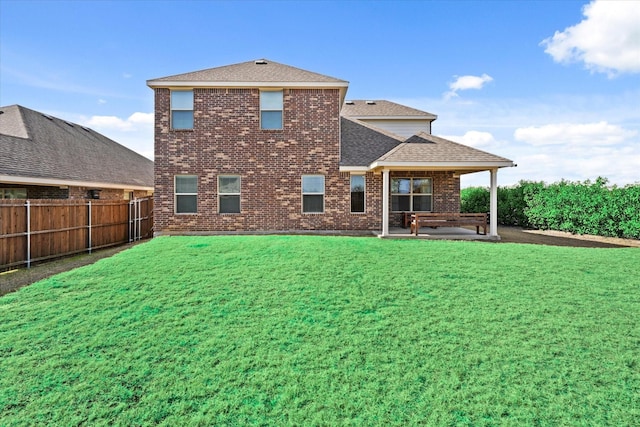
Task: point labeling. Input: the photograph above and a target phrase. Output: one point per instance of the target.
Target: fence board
(61, 227)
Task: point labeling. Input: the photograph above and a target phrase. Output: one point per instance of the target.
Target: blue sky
(552, 85)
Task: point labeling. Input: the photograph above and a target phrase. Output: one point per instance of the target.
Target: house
(261, 146)
(44, 157)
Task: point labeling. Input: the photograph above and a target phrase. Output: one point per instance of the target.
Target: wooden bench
(446, 219)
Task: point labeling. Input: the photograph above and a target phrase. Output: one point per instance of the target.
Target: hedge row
(577, 207)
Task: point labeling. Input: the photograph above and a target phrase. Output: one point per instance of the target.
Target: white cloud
(607, 40)
(576, 137)
(582, 134)
(466, 83)
(134, 132)
(474, 138)
(132, 123)
(470, 82)
(102, 101)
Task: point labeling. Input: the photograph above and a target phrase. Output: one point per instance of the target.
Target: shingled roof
(249, 73)
(382, 109)
(425, 149)
(364, 145)
(40, 147)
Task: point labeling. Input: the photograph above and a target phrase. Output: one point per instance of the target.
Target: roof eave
(209, 84)
(469, 166)
(55, 182)
(391, 117)
(354, 169)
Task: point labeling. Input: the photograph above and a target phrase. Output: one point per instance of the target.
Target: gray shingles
(364, 144)
(250, 72)
(382, 108)
(56, 149)
(361, 144)
(430, 148)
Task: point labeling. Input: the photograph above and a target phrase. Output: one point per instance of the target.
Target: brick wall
(40, 191)
(227, 140)
(51, 192)
(446, 192)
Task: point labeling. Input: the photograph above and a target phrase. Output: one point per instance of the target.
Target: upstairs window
(229, 194)
(271, 103)
(411, 194)
(312, 193)
(182, 109)
(186, 196)
(357, 193)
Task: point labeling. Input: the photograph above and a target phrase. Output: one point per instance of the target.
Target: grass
(308, 330)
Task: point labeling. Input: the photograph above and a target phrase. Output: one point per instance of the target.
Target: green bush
(474, 200)
(511, 202)
(587, 208)
(576, 207)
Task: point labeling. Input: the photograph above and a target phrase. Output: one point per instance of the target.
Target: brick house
(265, 147)
(44, 157)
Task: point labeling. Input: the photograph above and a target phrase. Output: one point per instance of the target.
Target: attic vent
(70, 124)
(86, 128)
(47, 116)
(371, 102)
(261, 62)
(349, 102)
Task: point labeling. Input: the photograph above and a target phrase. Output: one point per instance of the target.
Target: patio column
(385, 202)
(493, 206)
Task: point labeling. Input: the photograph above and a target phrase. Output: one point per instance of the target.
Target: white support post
(493, 209)
(139, 210)
(89, 242)
(28, 205)
(385, 202)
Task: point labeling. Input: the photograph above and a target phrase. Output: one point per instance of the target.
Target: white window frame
(220, 194)
(177, 108)
(411, 194)
(176, 194)
(264, 109)
(312, 193)
(364, 193)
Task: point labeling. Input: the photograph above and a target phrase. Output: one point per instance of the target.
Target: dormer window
(182, 109)
(271, 106)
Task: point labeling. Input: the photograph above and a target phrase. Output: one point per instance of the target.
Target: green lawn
(308, 330)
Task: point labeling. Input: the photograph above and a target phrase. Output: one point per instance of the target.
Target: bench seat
(447, 219)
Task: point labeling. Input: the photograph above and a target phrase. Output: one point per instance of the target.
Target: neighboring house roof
(261, 72)
(381, 109)
(365, 146)
(39, 149)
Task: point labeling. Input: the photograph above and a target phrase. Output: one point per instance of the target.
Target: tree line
(576, 207)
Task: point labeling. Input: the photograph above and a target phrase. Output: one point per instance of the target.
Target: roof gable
(426, 148)
(249, 73)
(48, 148)
(364, 145)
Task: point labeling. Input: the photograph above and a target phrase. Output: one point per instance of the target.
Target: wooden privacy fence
(37, 230)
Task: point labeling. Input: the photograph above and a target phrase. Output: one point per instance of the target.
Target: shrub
(576, 207)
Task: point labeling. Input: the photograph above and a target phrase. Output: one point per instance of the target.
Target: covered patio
(425, 154)
(439, 233)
